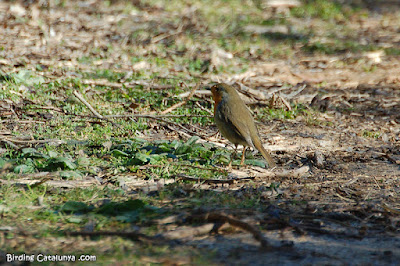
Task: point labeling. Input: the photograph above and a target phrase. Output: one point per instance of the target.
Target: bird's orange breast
(217, 97)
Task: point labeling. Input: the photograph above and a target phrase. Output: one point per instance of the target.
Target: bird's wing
(238, 118)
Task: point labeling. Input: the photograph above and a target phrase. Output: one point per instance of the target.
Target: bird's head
(219, 91)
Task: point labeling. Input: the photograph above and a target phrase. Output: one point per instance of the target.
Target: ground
(109, 149)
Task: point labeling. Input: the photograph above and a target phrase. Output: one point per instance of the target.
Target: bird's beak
(207, 87)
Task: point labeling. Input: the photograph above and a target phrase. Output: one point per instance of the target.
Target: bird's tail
(264, 153)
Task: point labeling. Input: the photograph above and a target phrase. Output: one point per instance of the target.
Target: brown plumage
(235, 121)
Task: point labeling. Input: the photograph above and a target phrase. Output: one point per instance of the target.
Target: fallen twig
(56, 109)
(21, 121)
(294, 173)
(49, 182)
(252, 93)
(130, 85)
(159, 117)
(204, 109)
(154, 116)
(10, 143)
(181, 103)
(211, 181)
(390, 209)
(42, 181)
(80, 97)
(164, 36)
(391, 159)
(19, 141)
(186, 231)
(131, 235)
(223, 218)
(259, 172)
(286, 103)
(199, 93)
(202, 167)
(294, 93)
(167, 220)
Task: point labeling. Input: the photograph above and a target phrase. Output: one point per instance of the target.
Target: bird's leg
(235, 150)
(232, 155)
(243, 155)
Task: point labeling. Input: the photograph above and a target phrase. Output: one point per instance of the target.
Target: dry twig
(223, 218)
(160, 118)
(186, 231)
(99, 116)
(259, 172)
(211, 181)
(19, 141)
(164, 36)
(131, 235)
(80, 97)
(392, 159)
(166, 111)
(153, 116)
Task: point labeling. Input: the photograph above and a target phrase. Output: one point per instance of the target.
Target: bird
(235, 121)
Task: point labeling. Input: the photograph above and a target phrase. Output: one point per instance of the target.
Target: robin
(235, 121)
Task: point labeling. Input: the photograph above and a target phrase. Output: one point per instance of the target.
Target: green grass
(282, 113)
(326, 10)
(337, 47)
(371, 134)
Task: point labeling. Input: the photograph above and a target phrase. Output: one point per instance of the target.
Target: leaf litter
(344, 139)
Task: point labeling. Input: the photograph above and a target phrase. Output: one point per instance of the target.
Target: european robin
(235, 121)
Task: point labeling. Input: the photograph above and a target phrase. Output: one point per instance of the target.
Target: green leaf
(24, 169)
(118, 153)
(70, 175)
(53, 154)
(75, 206)
(28, 150)
(224, 159)
(128, 211)
(75, 220)
(32, 153)
(3, 163)
(260, 163)
(61, 162)
(181, 149)
(188, 147)
(117, 208)
(82, 161)
(175, 144)
(26, 77)
(165, 147)
(154, 158)
(143, 157)
(192, 140)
